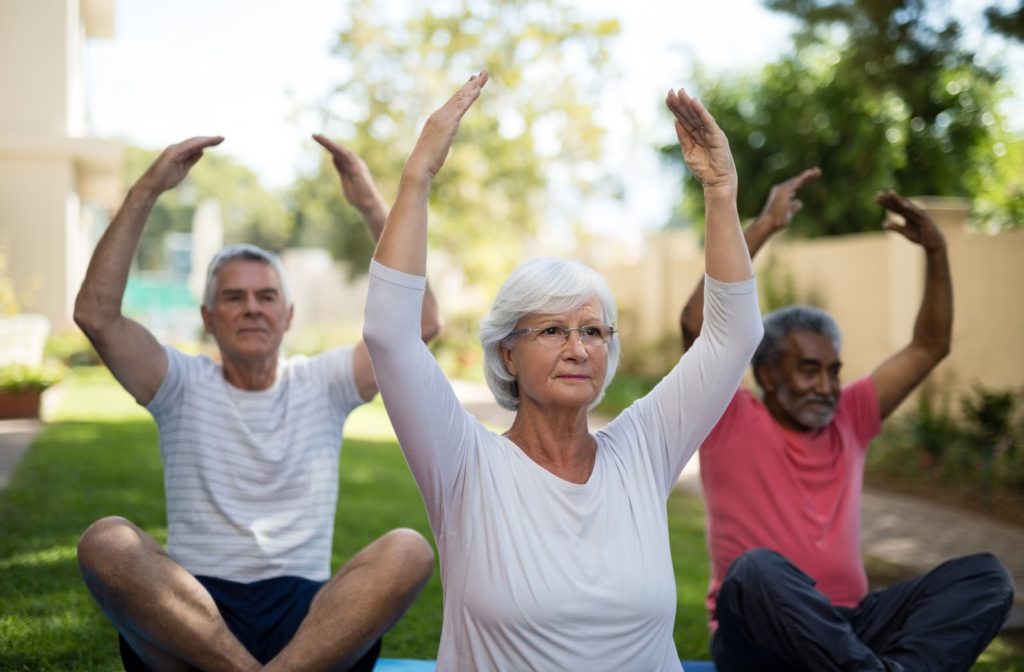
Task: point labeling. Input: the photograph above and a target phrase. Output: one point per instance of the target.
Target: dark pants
(771, 617)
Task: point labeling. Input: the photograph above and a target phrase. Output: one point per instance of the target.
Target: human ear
(506, 359)
(765, 378)
(206, 319)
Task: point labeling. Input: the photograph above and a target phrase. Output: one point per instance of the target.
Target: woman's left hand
(705, 147)
(438, 132)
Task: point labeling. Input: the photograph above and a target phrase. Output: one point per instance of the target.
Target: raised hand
(356, 181)
(705, 147)
(782, 203)
(435, 139)
(173, 164)
(917, 226)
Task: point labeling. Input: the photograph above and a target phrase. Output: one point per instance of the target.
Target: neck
(557, 440)
(249, 375)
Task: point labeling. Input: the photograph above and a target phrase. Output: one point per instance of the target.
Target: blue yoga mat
(409, 665)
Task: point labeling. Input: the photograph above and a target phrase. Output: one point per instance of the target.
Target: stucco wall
(872, 283)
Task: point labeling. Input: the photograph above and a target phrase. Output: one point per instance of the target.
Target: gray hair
(782, 321)
(543, 285)
(244, 252)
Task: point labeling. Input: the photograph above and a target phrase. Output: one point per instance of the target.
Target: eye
(550, 331)
(593, 331)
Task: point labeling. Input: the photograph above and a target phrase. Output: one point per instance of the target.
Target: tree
(1008, 23)
(545, 65)
(250, 213)
(880, 94)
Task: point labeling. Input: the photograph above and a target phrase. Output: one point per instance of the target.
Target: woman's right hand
(435, 139)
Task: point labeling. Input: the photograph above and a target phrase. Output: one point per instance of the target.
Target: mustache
(829, 399)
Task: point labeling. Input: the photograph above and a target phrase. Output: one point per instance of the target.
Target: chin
(816, 420)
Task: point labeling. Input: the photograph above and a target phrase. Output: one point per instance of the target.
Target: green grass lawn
(98, 456)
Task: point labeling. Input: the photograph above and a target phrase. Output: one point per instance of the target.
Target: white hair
(546, 285)
(244, 252)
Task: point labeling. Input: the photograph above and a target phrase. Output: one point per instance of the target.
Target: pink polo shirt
(797, 493)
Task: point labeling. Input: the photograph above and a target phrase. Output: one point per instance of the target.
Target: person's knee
(104, 539)
(755, 565)
(410, 551)
(992, 576)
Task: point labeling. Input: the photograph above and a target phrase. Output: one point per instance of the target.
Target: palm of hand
(708, 161)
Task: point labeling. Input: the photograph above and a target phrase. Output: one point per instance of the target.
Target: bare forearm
(691, 318)
(403, 242)
(99, 299)
(725, 250)
(375, 217)
(933, 329)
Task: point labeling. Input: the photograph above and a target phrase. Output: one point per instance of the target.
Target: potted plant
(21, 389)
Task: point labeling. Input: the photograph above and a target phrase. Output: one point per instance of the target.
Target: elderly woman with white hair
(553, 541)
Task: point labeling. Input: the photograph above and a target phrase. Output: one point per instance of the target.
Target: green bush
(71, 348)
(20, 377)
(971, 459)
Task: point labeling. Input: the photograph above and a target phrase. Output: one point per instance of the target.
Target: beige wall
(53, 177)
(872, 283)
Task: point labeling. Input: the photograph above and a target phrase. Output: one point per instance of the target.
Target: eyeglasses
(591, 335)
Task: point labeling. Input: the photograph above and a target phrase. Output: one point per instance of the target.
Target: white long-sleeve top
(540, 573)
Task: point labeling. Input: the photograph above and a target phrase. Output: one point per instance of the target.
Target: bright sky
(252, 70)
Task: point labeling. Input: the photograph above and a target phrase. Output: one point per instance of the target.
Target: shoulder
(744, 410)
(859, 411)
(328, 361)
(189, 365)
(859, 398)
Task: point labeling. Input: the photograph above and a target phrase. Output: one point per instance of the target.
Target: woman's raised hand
(705, 147)
(435, 139)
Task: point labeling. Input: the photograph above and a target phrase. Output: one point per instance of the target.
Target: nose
(573, 346)
(823, 384)
(252, 304)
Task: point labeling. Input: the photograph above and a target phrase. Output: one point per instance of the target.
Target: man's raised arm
(127, 348)
(778, 211)
(361, 191)
(897, 376)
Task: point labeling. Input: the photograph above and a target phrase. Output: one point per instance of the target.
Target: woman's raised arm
(707, 155)
(403, 244)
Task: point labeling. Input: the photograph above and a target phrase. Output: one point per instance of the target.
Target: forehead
(590, 311)
(801, 345)
(247, 274)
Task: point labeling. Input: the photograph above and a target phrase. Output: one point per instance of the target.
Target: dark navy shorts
(263, 615)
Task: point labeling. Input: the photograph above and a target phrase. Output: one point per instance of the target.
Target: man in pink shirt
(782, 478)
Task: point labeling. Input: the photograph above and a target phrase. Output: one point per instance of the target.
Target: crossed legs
(172, 623)
(771, 617)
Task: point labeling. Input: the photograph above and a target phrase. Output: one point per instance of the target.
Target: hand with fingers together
(917, 227)
(173, 164)
(431, 150)
(782, 203)
(356, 181)
(705, 147)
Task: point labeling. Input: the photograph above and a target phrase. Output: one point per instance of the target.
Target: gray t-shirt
(251, 478)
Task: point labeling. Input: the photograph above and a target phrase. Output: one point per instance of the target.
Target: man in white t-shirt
(250, 446)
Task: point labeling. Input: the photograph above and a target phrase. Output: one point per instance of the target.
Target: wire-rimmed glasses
(591, 335)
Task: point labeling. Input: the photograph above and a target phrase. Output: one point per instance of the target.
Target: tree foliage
(536, 114)
(1007, 22)
(880, 94)
(249, 212)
